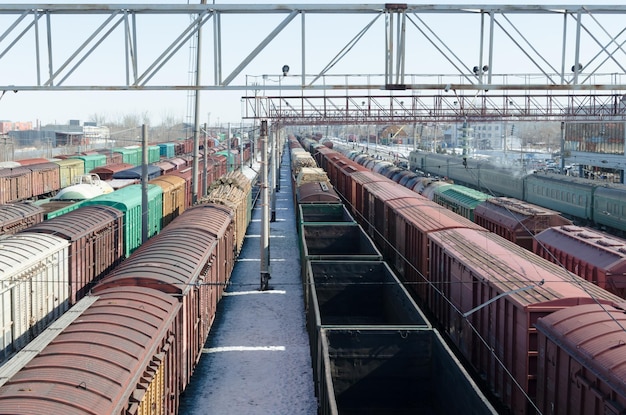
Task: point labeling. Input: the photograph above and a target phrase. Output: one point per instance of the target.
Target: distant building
(597, 149)
(58, 135)
(6, 126)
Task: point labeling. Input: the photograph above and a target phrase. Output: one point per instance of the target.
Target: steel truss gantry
(501, 67)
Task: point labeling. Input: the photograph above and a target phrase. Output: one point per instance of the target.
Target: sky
(240, 34)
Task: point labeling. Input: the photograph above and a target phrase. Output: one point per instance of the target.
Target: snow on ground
(257, 357)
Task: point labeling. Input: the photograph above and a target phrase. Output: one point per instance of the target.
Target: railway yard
(390, 292)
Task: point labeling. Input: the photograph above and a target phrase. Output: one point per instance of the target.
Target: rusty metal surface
(97, 375)
(316, 192)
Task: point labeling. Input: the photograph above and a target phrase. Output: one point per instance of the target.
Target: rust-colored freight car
(127, 365)
(468, 270)
(15, 217)
(317, 192)
(181, 261)
(594, 256)
(339, 170)
(15, 184)
(112, 157)
(354, 188)
(95, 236)
(376, 196)
(582, 365)
(106, 172)
(516, 220)
(46, 179)
(409, 225)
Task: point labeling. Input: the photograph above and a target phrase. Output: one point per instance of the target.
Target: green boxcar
(167, 150)
(129, 155)
(128, 200)
(69, 169)
(92, 161)
(154, 154)
(459, 199)
(61, 211)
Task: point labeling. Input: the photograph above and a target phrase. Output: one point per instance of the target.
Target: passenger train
(591, 201)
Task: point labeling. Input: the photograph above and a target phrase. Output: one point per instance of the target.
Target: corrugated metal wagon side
(15, 217)
(184, 262)
(582, 363)
(15, 184)
(34, 290)
(124, 366)
(470, 268)
(96, 237)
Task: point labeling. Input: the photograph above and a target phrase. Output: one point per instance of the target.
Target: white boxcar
(34, 287)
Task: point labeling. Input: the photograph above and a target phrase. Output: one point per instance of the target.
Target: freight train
(591, 201)
(75, 248)
(373, 350)
(588, 253)
(489, 295)
(40, 178)
(134, 349)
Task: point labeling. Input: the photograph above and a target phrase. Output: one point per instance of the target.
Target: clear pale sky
(240, 35)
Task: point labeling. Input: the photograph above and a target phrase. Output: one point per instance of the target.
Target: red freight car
(16, 184)
(95, 234)
(46, 179)
(107, 171)
(127, 364)
(409, 225)
(181, 261)
(468, 270)
(582, 365)
(594, 256)
(376, 196)
(516, 220)
(17, 216)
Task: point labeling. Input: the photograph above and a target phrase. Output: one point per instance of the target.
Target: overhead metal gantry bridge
(349, 63)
